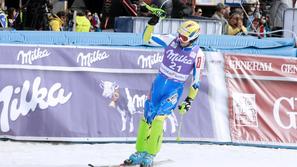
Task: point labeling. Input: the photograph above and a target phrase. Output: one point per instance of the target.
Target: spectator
(57, 21)
(252, 9)
(143, 10)
(219, 15)
(130, 6)
(276, 14)
(235, 26)
(180, 9)
(261, 27)
(197, 12)
(94, 20)
(238, 10)
(3, 19)
(13, 19)
(82, 23)
(89, 16)
(70, 21)
(113, 8)
(227, 11)
(37, 14)
(106, 14)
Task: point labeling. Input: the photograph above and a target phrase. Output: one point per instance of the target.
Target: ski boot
(135, 159)
(147, 160)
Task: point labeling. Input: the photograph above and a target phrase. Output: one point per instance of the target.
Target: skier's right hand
(154, 20)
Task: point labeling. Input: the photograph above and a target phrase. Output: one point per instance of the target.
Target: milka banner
(262, 99)
(85, 94)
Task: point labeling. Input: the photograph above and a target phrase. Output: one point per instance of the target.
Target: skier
(181, 56)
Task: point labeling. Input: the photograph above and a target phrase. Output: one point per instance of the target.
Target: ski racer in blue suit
(181, 57)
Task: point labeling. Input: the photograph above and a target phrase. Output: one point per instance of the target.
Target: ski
(156, 163)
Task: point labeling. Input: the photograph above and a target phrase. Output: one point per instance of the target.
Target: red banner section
(262, 100)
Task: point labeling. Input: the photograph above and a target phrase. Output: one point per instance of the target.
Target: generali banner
(262, 99)
(85, 94)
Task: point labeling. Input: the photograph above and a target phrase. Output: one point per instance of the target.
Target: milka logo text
(32, 55)
(28, 101)
(149, 61)
(90, 58)
(175, 57)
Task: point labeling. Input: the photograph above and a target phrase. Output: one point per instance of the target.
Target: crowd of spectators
(79, 21)
(250, 18)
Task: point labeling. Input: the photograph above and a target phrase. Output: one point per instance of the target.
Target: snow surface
(45, 154)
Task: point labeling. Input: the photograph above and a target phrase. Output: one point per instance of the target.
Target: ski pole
(182, 109)
(179, 128)
(156, 11)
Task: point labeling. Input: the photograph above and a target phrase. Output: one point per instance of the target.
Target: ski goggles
(183, 38)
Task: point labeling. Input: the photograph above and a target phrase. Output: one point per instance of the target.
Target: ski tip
(90, 165)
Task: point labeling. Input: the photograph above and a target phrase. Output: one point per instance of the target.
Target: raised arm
(155, 39)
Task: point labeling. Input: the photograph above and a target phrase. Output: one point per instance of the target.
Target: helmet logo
(189, 25)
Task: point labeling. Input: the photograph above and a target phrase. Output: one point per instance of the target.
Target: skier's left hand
(185, 106)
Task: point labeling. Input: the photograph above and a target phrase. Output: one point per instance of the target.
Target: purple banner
(96, 92)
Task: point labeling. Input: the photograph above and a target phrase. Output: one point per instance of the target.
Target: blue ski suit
(177, 64)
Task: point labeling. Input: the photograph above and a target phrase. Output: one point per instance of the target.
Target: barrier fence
(165, 26)
(67, 93)
(260, 99)
(222, 43)
(290, 23)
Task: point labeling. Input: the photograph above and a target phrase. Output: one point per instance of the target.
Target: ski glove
(154, 20)
(185, 105)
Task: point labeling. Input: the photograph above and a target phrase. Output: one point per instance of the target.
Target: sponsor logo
(128, 103)
(90, 58)
(278, 107)
(32, 55)
(250, 65)
(289, 68)
(193, 54)
(244, 107)
(173, 98)
(134, 104)
(175, 57)
(18, 101)
(150, 60)
(174, 44)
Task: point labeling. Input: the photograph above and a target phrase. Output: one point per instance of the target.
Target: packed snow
(45, 154)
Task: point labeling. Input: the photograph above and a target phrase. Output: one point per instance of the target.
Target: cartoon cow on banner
(128, 105)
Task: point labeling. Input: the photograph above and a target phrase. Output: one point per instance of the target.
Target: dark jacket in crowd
(180, 9)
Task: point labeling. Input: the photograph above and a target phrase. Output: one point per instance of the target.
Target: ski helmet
(188, 31)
